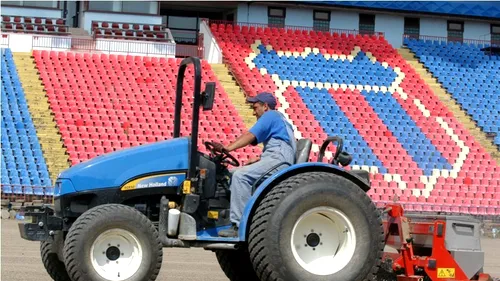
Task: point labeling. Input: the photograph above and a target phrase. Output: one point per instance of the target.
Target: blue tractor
(113, 215)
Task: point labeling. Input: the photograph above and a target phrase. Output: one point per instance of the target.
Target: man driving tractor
(277, 135)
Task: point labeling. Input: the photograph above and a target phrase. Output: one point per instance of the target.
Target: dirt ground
(20, 260)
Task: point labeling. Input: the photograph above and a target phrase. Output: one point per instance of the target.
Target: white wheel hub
(323, 241)
(116, 254)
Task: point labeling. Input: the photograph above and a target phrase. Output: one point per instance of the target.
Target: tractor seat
(303, 150)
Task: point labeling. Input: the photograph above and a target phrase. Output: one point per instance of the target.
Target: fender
(284, 174)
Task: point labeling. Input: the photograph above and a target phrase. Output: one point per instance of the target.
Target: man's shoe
(231, 232)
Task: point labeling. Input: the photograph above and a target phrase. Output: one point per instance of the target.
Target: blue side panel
(212, 235)
(113, 169)
(361, 71)
(411, 137)
(463, 8)
(334, 122)
(263, 186)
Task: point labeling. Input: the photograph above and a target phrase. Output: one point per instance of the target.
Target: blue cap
(264, 98)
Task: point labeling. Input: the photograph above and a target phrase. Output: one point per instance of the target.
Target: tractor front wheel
(316, 226)
(113, 242)
(54, 266)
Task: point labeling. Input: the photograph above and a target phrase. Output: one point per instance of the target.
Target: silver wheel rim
(116, 254)
(323, 241)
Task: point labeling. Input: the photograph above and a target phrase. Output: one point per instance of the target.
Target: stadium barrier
(5, 40)
(294, 27)
(101, 45)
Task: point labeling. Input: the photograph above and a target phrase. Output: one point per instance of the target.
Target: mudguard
(286, 173)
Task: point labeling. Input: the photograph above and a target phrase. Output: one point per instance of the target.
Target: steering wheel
(224, 156)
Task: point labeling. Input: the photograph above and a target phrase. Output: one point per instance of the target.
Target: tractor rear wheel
(316, 226)
(236, 265)
(113, 242)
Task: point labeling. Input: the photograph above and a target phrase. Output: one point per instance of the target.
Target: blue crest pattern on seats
(22, 158)
(361, 71)
(470, 75)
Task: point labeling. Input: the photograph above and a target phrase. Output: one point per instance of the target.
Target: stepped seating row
(89, 117)
(469, 75)
(135, 31)
(34, 25)
(402, 133)
(24, 169)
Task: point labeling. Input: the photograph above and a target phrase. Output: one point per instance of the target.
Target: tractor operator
(274, 131)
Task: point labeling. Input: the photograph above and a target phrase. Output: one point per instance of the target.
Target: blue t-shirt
(270, 125)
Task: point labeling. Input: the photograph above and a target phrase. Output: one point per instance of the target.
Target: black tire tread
(82, 222)
(260, 256)
(236, 265)
(55, 268)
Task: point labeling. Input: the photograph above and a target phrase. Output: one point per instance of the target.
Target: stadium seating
(24, 170)
(359, 87)
(104, 102)
(470, 75)
(53, 26)
(134, 31)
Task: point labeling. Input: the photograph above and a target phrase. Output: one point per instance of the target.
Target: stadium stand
(470, 75)
(24, 171)
(134, 31)
(104, 102)
(52, 26)
(359, 87)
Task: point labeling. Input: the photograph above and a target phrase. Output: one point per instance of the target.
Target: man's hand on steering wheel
(219, 147)
(218, 150)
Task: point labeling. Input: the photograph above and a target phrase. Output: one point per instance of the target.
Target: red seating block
(105, 123)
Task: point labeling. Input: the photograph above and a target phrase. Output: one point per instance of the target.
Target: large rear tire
(236, 265)
(54, 266)
(113, 242)
(316, 226)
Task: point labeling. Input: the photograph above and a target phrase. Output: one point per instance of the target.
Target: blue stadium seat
(22, 160)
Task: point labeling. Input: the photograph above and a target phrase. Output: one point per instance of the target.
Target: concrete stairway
(43, 119)
(447, 99)
(235, 94)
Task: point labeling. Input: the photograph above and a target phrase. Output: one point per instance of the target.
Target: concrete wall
(32, 12)
(391, 25)
(296, 17)
(252, 13)
(433, 27)
(344, 20)
(477, 30)
(393, 28)
(212, 51)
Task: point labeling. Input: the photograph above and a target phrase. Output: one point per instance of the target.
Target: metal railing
(292, 27)
(441, 39)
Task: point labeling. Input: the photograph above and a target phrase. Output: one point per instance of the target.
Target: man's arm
(242, 141)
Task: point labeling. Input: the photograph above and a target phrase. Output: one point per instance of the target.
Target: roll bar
(205, 98)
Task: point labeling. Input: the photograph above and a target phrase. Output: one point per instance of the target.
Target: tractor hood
(115, 168)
